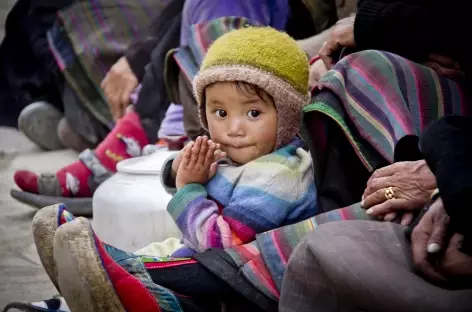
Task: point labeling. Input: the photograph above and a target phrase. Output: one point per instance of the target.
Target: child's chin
(242, 158)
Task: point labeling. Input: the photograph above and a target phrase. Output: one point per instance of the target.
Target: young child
(251, 88)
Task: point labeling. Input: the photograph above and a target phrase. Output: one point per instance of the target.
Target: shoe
(69, 138)
(39, 121)
(45, 223)
(92, 281)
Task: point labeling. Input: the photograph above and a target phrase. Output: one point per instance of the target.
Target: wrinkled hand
(445, 66)
(454, 264)
(436, 255)
(197, 164)
(342, 35)
(317, 70)
(428, 239)
(118, 85)
(412, 183)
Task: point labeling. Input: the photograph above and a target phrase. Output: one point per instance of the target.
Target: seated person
(250, 101)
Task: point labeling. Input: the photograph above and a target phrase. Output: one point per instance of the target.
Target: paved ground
(21, 274)
(22, 277)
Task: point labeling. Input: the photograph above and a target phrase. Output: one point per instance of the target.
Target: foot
(81, 178)
(69, 138)
(38, 121)
(45, 223)
(91, 280)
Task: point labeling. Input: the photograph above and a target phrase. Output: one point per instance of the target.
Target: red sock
(126, 140)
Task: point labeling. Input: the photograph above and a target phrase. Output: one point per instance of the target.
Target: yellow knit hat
(267, 58)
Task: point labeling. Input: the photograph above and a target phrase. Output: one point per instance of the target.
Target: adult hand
(412, 184)
(342, 35)
(317, 70)
(445, 66)
(118, 85)
(428, 239)
(454, 264)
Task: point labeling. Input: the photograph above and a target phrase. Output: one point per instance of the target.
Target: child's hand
(198, 164)
(177, 160)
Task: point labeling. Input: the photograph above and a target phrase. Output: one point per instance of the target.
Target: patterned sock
(81, 178)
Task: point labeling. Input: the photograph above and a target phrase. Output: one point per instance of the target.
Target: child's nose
(235, 127)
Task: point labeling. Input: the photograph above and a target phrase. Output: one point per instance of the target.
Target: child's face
(244, 124)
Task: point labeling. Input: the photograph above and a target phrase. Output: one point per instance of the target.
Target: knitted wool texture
(263, 57)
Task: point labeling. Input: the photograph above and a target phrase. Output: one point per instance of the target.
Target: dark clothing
(447, 147)
(28, 71)
(162, 36)
(198, 289)
(139, 52)
(414, 28)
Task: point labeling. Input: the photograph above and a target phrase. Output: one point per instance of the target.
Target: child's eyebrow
(253, 101)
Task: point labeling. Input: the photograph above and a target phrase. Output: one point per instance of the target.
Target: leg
(361, 266)
(81, 178)
(96, 277)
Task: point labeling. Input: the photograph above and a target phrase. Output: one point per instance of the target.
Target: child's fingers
(212, 171)
(187, 154)
(196, 151)
(209, 157)
(203, 151)
(218, 155)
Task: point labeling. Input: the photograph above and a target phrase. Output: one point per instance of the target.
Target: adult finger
(438, 235)
(326, 51)
(442, 60)
(105, 81)
(391, 205)
(407, 218)
(445, 71)
(377, 197)
(377, 184)
(386, 171)
(419, 241)
(390, 216)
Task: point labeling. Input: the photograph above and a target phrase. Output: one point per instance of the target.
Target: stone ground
(22, 277)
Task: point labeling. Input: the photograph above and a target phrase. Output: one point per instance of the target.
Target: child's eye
(253, 113)
(221, 113)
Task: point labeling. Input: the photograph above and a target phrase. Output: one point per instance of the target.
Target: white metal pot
(129, 209)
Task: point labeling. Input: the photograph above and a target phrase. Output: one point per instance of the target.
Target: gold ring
(389, 193)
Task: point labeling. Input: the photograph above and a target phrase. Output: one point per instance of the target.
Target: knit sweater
(241, 201)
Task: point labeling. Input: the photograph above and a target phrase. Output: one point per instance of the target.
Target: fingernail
(362, 203)
(433, 248)
(369, 211)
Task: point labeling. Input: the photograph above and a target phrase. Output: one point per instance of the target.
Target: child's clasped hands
(197, 162)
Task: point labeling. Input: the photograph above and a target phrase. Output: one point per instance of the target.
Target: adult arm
(411, 28)
(139, 52)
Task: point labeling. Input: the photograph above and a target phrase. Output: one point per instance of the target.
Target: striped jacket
(240, 201)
